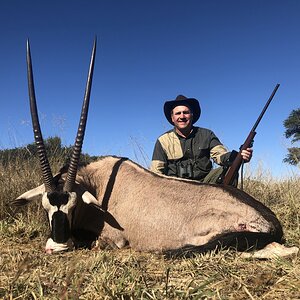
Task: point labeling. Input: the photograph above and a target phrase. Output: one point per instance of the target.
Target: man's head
(182, 117)
(182, 111)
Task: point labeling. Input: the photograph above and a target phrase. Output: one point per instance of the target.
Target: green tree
(292, 126)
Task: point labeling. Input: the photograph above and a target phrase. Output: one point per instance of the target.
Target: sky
(228, 54)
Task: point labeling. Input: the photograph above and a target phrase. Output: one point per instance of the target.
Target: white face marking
(65, 208)
(52, 247)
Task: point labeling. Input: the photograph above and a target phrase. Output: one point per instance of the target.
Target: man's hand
(247, 154)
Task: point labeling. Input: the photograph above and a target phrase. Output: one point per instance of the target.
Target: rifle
(233, 169)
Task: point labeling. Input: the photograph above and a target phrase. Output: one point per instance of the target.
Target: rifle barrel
(266, 106)
(234, 168)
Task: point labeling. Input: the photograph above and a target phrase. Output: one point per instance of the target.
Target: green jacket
(189, 157)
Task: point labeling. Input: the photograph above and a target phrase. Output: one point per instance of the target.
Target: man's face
(182, 117)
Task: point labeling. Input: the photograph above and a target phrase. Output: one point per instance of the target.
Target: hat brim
(192, 103)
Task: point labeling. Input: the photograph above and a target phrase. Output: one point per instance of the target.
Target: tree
(292, 125)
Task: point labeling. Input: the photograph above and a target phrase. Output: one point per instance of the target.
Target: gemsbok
(118, 203)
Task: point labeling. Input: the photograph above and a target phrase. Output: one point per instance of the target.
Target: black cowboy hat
(192, 103)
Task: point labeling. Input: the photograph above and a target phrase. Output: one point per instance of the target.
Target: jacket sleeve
(159, 159)
(219, 154)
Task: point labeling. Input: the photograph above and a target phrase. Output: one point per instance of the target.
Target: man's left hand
(247, 154)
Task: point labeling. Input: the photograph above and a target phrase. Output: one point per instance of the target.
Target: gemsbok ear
(31, 195)
(88, 198)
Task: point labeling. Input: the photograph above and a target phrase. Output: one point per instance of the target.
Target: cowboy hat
(192, 103)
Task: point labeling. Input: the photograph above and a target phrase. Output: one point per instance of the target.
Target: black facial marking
(60, 227)
(58, 198)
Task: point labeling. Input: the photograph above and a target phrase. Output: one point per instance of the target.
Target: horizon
(229, 56)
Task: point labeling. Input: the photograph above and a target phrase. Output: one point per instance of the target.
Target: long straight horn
(72, 171)
(46, 170)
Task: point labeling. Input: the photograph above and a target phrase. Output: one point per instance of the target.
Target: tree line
(55, 148)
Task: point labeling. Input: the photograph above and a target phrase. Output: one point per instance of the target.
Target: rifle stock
(234, 168)
(236, 164)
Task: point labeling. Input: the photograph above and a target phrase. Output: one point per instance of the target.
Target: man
(186, 151)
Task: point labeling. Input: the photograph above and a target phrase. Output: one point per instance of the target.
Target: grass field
(27, 273)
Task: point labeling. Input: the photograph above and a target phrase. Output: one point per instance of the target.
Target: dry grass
(27, 273)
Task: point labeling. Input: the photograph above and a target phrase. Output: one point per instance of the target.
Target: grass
(27, 273)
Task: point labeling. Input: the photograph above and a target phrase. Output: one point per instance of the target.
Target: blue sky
(227, 54)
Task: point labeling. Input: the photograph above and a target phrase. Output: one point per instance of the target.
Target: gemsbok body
(120, 204)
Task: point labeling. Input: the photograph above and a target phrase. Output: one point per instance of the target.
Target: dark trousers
(214, 174)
